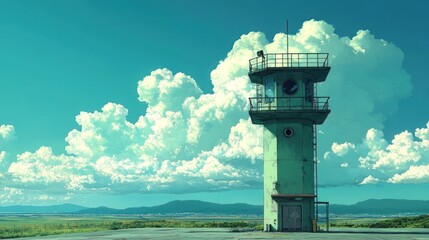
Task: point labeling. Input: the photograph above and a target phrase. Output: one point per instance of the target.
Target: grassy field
(354, 222)
(42, 225)
(13, 226)
(397, 222)
(34, 225)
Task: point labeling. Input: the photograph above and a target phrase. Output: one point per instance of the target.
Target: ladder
(259, 96)
(316, 209)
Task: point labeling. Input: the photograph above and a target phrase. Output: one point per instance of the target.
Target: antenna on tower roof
(287, 37)
(287, 42)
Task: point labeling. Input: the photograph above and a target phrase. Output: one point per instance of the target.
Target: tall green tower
(287, 105)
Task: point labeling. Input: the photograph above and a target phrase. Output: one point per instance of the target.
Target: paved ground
(216, 233)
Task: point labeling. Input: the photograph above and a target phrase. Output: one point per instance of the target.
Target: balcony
(314, 63)
(266, 109)
(283, 60)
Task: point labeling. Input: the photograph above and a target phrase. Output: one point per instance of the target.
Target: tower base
(290, 213)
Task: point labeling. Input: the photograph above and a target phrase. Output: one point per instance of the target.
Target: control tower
(288, 107)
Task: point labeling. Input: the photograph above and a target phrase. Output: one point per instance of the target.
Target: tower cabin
(288, 107)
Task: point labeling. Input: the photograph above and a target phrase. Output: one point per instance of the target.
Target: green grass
(42, 225)
(403, 222)
(27, 226)
(354, 222)
(37, 225)
(399, 222)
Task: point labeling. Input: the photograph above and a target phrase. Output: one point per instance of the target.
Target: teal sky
(59, 59)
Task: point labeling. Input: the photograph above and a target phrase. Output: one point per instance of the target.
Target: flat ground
(219, 233)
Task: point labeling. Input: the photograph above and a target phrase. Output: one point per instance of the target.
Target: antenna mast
(287, 41)
(287, 35)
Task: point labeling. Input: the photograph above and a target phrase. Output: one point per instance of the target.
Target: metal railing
(284, 60)
(289, 103)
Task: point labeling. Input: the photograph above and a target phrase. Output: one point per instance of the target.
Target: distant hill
(62, 208)
(99, 210)
(368, 207)
(381, 207)
(183, 207)
(374, 207)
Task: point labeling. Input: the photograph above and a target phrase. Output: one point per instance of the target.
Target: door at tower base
(292, 218)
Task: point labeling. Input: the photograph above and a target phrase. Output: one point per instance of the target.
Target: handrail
(284, 60)
(289, 103)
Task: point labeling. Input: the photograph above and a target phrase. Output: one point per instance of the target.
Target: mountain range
(63, 208)
(184, 207)
(367, 207)
(170, 208)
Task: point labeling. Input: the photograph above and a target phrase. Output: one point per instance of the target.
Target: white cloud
(19, 195)
(191, 141)
(44, 197)
(2, 155)
(161, 87)
(10, 195)
(404, 160)
(415, 174)
(400, 154)
(6, 132)
(369, 180)
(326, 155)
(43, 168)
(342, 149)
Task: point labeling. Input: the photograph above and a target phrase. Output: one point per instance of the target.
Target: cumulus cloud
(185, 143)
(113, 155)
(2, 155)
(415, 174)
(399, 153)
(342, 149)
(6, 132)
(19, 195)
(369, 180)
(10, 195)
(190, 141)
(404, 160)
(44, 168)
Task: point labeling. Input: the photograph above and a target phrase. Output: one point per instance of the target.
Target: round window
(288, 132)
(290, 87)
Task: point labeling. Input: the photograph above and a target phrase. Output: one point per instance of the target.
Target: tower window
(269, 89)
(288, 132)
(290, 87)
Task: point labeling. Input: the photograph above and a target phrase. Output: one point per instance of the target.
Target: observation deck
(267, 109)
(315, 64)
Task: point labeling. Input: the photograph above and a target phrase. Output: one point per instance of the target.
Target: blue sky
(124, 103)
